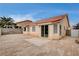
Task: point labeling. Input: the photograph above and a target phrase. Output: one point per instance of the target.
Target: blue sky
(24, 11)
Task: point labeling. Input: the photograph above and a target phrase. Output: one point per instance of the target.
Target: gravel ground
(23, 45)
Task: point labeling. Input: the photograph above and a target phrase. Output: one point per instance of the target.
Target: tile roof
(53, 19)
(32, 24)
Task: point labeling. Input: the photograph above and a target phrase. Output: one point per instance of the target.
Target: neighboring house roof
(32, 24)
(24, 21)
(53, 19)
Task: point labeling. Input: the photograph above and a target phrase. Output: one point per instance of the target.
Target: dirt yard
(23, 45)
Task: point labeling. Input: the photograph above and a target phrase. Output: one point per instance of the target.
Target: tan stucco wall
(36, 33)
(53, 35)
(65, 26)
(63, 31)
(65, 22)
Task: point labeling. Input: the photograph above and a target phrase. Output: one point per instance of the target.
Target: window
(33, 28)
(24, 28)
(28, 29)
(55, 28)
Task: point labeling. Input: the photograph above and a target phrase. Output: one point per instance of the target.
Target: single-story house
(23, 24)
(51, 28)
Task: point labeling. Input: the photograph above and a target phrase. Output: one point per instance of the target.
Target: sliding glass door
(44, 30)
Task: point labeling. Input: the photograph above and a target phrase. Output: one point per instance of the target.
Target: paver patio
(23, 45)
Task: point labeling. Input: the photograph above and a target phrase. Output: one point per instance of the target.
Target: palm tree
(6, 21)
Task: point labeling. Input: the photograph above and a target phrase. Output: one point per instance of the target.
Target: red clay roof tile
(53, 19)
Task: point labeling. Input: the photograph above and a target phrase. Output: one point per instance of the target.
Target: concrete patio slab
(38, 41)
(23, 45)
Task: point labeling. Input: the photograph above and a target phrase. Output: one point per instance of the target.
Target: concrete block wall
(5, 31)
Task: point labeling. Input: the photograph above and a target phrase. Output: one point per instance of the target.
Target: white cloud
(22, 17)
(18, 18)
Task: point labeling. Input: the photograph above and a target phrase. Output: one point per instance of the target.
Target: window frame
(55, 28)
(33, 29)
